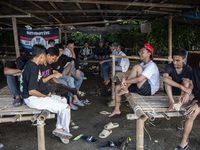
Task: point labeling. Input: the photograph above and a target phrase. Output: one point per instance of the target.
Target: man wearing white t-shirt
(143, 79)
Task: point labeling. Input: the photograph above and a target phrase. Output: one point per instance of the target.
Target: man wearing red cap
(143, 79)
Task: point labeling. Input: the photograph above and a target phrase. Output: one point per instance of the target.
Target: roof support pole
(65, 37)
(60, 33)
(14, 23)
(170, 37)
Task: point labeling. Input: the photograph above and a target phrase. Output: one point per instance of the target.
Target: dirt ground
(162, 134)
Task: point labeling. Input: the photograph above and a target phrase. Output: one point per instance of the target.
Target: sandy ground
(163, 134)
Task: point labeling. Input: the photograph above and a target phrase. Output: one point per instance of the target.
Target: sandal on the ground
(63, 140)
(73, 107)
(111, 125)
(81, 93)
(110, 144)
(180, 148)
(79, 103)
(104, 112)
(89, 139)
(62, 134)
(105, 133)
(86, 102)
(124, 142)
(17, 102)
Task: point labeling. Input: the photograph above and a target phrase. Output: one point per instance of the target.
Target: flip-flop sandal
(86, 102)
(73, 107)
(17, 102)
(110, 144)
(79, 103)
(104, 113)
(180, 148)
(62, 134)
(81, 93)
(89, 139)
(124, 142)
(111, 125)
(63, 140)
(105, 133)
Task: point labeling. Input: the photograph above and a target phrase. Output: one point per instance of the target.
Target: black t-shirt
(11, 64)
(59, 65)
(100, 51)
(195, 77)
(45, 70)
(178, 77)
(31, 79)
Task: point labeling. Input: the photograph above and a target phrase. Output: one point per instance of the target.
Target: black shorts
(175, 90)
(144, 90)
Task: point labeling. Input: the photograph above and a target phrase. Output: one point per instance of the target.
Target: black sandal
(17, 102)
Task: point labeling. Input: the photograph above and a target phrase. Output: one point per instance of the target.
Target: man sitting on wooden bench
(176, 80)
(143, 79)
(36, 95)
(12, 71)
(193, 109)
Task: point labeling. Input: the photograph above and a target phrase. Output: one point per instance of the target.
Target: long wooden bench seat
(148, 107)
(9, 113)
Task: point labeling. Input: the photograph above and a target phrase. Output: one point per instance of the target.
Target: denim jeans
(105, 69)
(14, 85)
(68, 81)
(88, 57)
(78, 80)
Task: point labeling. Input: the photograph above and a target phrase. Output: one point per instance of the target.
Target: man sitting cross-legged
(193, 109)
(176, 80)
(143, 79)
(36, 95)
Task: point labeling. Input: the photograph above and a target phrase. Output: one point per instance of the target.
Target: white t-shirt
(67, 52)
(151, 72)
(123, 62)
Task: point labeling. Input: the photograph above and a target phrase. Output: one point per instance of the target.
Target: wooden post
(14, 23)
(140, 134)
(113, 78)
(60, 33)
(170, 37)
(40, 133)
(65, 37)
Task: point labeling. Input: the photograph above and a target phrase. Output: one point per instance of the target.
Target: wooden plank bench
(9, 113)
(148, 107)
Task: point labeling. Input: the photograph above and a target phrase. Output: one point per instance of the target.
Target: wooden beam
(16, 16)
(140, 134)
(26, 23)
(7, 24)
(79, 6)
(170, 37)
(23, 11)
(99, 8)
(86, 11)
(140, 4)
(56, 8)
(95, 22)
(38, 6)
(14, 22)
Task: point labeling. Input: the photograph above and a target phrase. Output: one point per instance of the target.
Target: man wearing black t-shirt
(37, 96)
(193, 109)
(12, 71)
(176, 81)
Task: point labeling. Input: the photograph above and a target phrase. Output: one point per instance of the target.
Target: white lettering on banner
(38, 33)
(25, 42)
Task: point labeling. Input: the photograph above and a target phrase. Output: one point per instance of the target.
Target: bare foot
(59, 129)
(183, 145)
(115, 112)
(123, 91)
(107, 82)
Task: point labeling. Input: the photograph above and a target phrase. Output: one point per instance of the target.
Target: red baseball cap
(150, 48)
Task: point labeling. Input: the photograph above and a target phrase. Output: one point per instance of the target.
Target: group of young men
(37, 82)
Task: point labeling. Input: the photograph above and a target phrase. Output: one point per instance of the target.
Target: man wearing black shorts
(193, 109)
(176, 81)
(143, 79)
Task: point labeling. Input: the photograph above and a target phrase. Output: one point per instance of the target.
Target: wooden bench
(148, 107)
(9, 113)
